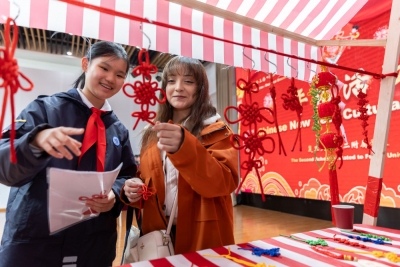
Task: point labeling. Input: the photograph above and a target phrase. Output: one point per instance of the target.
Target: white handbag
(156, 244)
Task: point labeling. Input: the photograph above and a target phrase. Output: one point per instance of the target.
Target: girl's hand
(102, 204)
(132, 188)
(56, 141)
(170, 136)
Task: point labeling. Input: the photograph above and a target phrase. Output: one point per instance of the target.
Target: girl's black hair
(102, 49)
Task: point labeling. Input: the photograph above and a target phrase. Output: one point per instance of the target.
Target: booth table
(293, 253)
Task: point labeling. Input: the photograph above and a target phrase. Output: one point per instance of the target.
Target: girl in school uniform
(50, 133)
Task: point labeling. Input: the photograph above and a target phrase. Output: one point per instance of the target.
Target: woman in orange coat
(188, 151)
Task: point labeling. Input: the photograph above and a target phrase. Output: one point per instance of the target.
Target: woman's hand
(102, 204)
(170, 136)
(55, 142)
(132, 188)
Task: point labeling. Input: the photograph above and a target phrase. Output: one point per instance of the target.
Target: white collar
(212, 119)
(105, 107)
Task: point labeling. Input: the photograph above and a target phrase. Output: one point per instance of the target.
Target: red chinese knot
(9, 75)
(144, 91)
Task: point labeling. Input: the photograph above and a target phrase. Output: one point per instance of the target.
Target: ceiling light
(69, 53)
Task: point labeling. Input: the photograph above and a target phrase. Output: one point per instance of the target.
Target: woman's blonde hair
(202, 107)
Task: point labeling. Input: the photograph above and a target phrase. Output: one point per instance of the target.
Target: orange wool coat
(208, 173)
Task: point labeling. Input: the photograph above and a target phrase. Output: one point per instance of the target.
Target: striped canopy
(318, 19)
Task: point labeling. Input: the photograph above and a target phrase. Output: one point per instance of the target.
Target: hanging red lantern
(324, 91)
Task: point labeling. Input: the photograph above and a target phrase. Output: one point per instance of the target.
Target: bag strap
(172, 215)
(129, 218)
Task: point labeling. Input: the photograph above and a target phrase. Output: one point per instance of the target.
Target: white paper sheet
(68, 192)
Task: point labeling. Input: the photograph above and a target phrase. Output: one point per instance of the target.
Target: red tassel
(334, 190)
(10, 74)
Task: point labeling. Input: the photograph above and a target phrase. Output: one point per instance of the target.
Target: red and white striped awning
(318, 19)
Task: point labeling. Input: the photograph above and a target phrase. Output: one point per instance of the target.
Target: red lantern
(326, 110)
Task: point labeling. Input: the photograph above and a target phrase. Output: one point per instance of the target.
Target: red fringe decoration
(334, 191)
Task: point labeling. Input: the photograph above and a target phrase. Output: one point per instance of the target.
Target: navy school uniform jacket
(26, 240)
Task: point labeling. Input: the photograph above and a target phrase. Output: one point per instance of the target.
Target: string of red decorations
(166, 25)
(272, 91)
(10, 75)
(144, 92)
(362, 102)
(346, 241)
(251, 140)
(326, 101)
(291, 101)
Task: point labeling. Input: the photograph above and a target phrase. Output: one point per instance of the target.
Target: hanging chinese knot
(291, 102)
(144, 91)
(272, 91)
(251, 140)
(362, 102)
(326, 99)
(9, 78)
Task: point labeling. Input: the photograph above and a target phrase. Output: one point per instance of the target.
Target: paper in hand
(68, 192)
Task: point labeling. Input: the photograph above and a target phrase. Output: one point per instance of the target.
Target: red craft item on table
(333, 254)
(10, 75)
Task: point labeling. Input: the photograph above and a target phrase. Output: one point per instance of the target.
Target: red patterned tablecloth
(293, 253)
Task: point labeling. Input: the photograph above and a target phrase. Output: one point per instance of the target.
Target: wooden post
(382, 124)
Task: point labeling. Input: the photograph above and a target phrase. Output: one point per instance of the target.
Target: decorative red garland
(252, 139)
(362, 101)
(10, 74)
(328, 109)
(144, 92)
(292, 102)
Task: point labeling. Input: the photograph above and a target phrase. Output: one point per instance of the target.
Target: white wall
(54, 73)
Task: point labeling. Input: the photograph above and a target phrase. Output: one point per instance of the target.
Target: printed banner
(297, 174)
